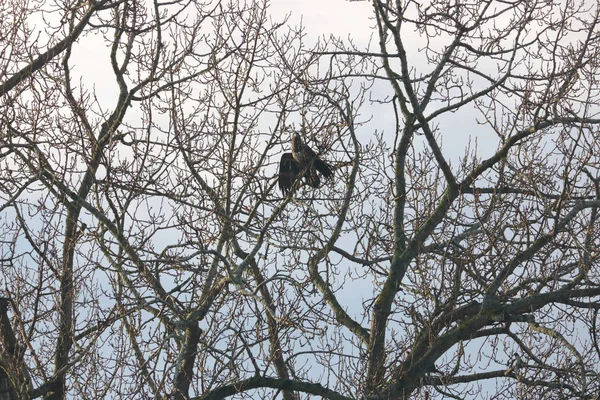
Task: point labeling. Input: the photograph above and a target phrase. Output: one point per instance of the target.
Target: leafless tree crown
(146, 251)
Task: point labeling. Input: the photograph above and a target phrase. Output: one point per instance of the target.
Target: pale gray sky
(325, 17)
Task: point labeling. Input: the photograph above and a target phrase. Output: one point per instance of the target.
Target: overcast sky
(325, 17)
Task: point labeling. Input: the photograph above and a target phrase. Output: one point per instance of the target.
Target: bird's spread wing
(323, 167)
(288, 172)
(316, 162)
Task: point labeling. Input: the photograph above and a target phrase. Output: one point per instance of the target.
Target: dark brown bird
(301, 162)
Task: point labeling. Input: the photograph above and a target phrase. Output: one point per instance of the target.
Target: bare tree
(147, 252)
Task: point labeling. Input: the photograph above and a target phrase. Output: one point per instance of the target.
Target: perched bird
(514, 365)
(301, 162)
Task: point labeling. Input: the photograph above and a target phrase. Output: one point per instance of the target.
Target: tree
(147, 252)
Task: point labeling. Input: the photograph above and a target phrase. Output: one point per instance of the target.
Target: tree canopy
(147, 252)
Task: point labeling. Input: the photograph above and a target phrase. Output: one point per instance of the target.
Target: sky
(325, 17)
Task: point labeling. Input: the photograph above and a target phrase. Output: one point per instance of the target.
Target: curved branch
(55, 50)
(258, 382)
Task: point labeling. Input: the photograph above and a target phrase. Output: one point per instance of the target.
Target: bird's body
(301, 162)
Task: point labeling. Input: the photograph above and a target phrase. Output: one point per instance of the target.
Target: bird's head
(296, 142)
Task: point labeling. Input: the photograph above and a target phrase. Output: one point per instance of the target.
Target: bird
(301, 162)
(514, 365)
